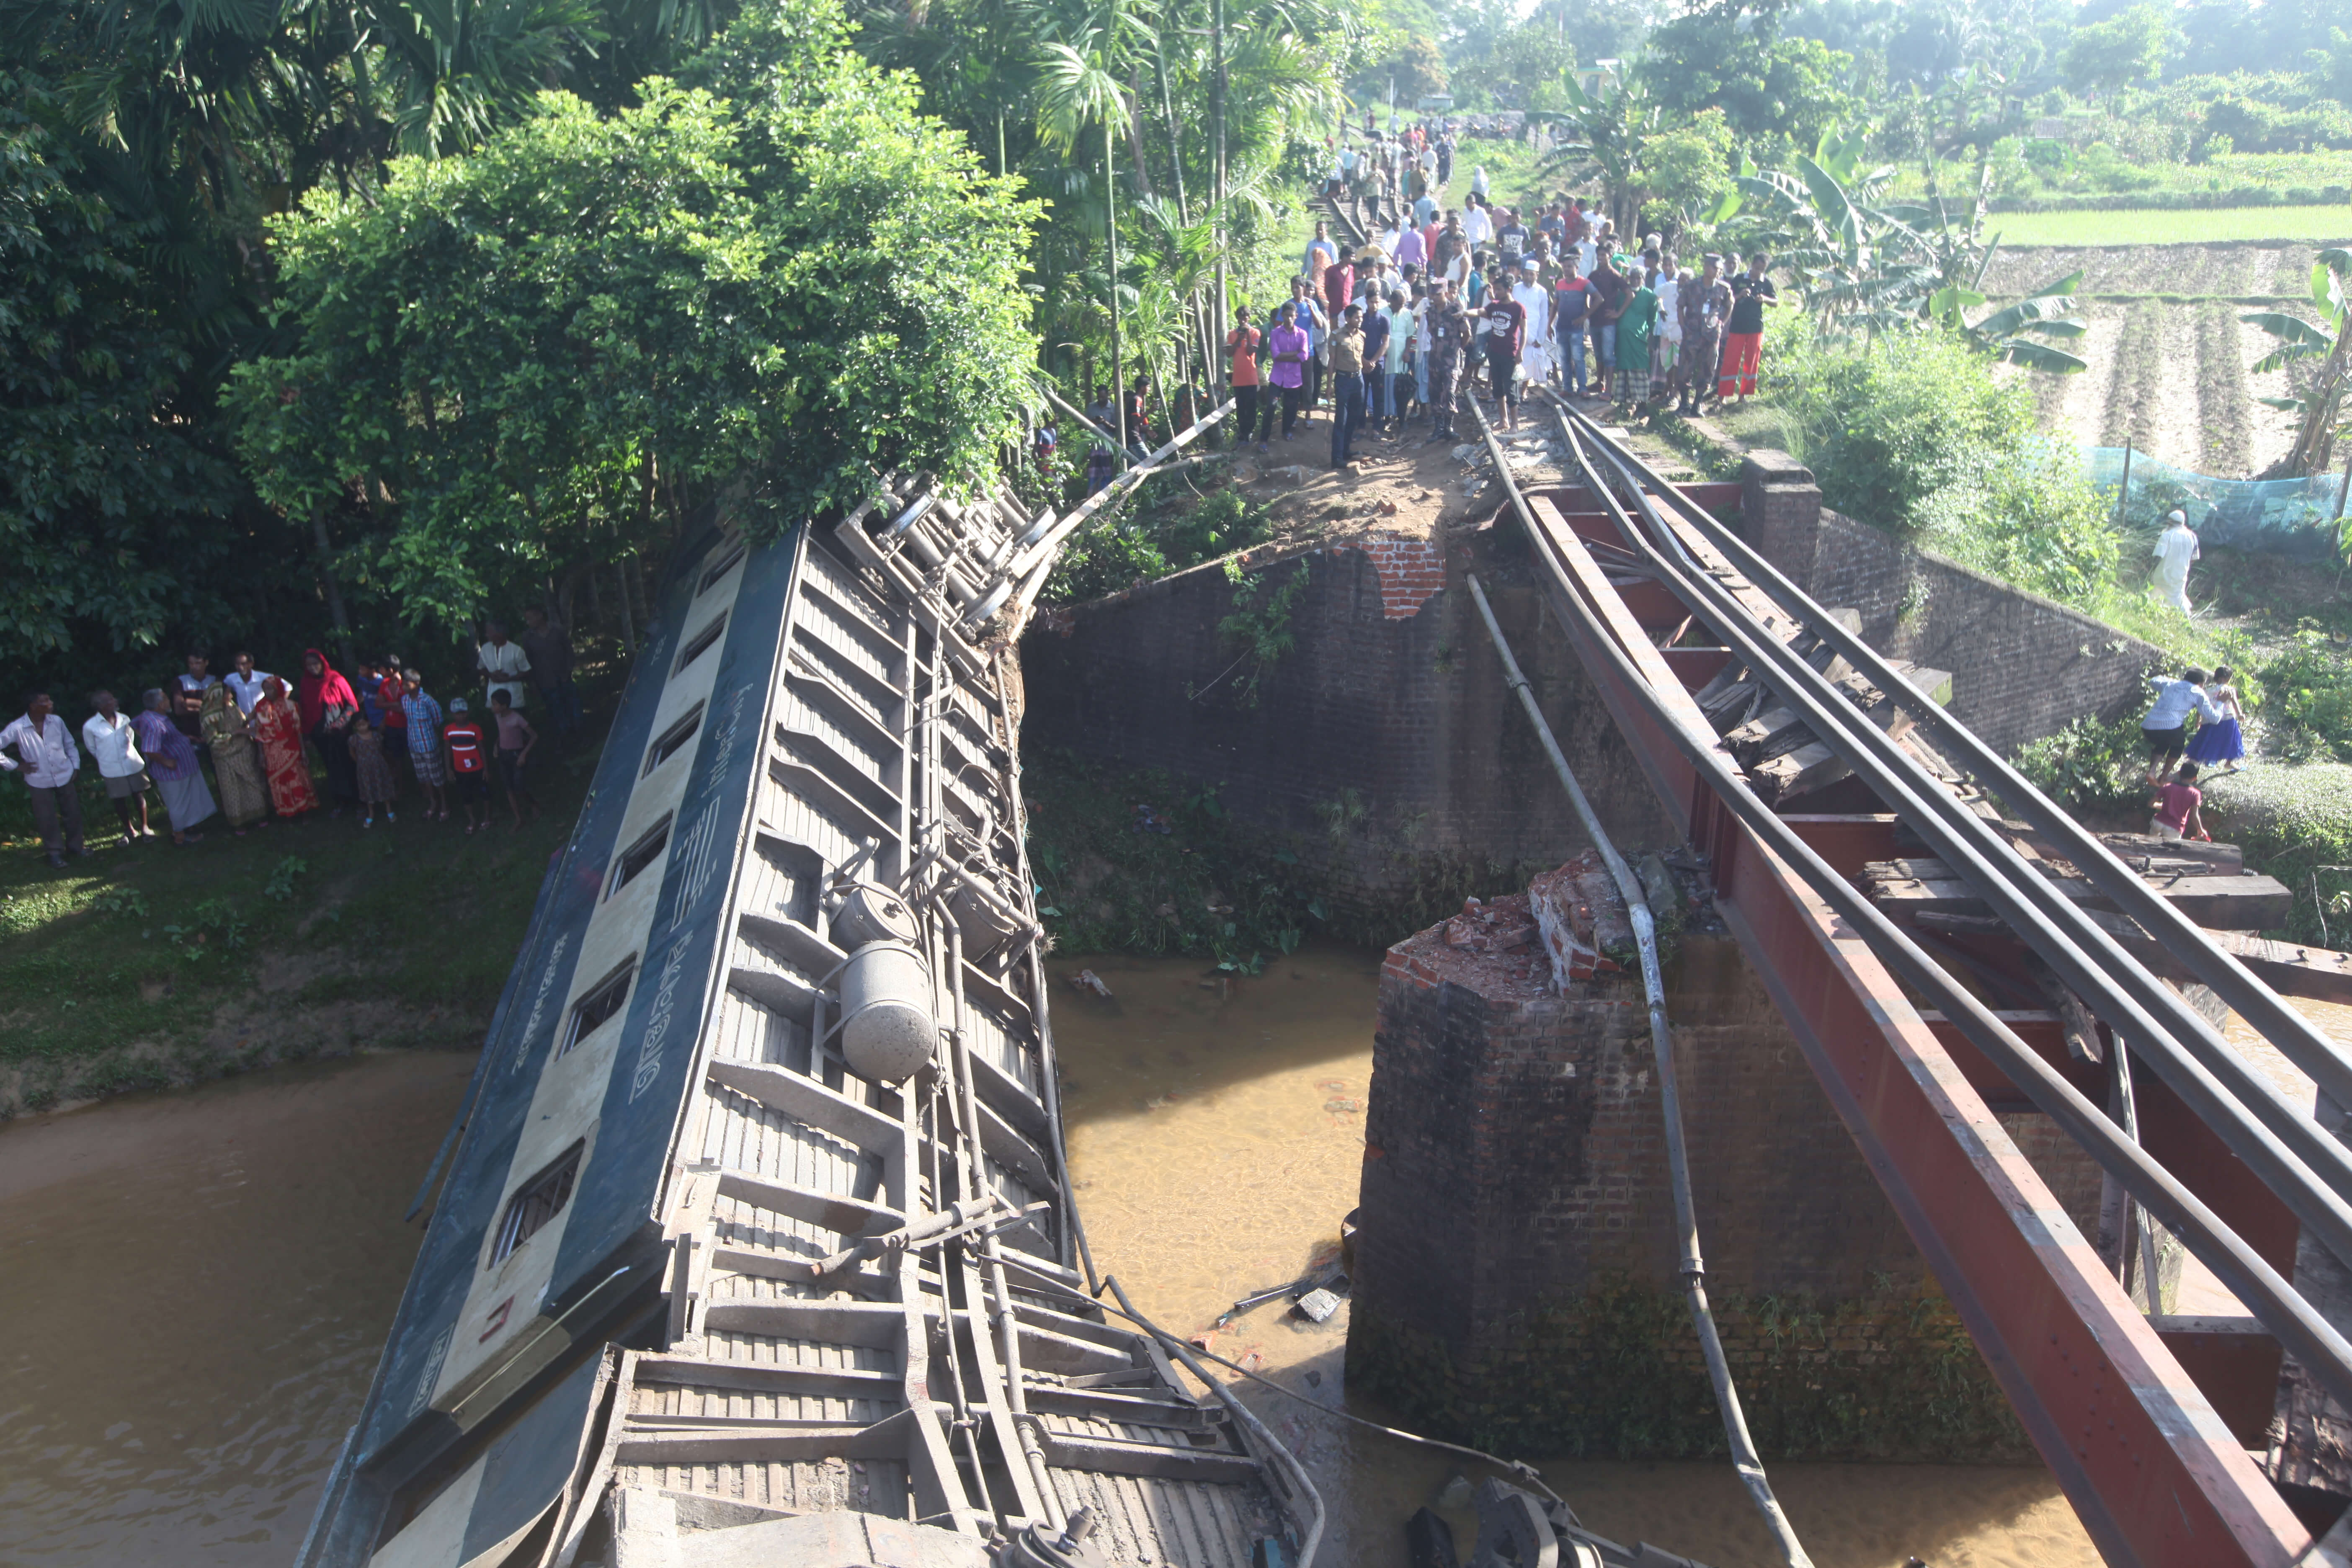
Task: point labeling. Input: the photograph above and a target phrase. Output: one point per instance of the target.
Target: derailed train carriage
(757, 1246)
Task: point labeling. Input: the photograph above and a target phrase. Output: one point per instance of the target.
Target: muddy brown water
(1216, 1133)
(194, 1287)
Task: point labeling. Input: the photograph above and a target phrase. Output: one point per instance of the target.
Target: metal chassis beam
(2151, 1469)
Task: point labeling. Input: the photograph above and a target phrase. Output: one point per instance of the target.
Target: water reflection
(1216, 1130)
(192, 1291)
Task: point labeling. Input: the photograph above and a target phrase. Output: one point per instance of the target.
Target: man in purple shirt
(1287, 347)
(1410, 249)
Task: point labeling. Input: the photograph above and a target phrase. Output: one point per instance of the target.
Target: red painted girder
(2156, 1477)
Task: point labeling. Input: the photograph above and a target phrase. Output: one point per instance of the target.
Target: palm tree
(1076, 89)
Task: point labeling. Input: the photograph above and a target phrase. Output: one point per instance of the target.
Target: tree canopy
(561, 341)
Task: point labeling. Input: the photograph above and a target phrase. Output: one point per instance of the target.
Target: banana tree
(1604, 134)
(2321, 403)
(2012, 332)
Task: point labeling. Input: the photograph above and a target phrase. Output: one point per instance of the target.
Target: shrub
(1912, 434)
(2307, 707)
(2294, 823)
(2088, 765)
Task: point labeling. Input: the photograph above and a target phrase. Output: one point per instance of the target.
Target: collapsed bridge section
(1948, 946)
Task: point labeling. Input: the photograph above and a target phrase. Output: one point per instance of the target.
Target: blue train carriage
(757, 1245)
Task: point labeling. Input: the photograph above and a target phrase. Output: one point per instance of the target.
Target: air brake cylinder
(888, 1033)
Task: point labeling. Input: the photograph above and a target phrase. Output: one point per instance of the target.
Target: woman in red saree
(278, 725)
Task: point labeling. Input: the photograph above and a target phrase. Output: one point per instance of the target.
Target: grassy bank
(146, 965)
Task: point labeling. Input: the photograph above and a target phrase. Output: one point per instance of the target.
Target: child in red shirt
(2179, 807)
(469, 761)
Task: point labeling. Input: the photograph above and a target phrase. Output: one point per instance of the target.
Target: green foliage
(1913, 434)
(2307, 714)
(2294, 823)
(1689, 169)
(2089, 766)
(556, 346)
(1107, 881)
(112, 498)
(212, 928)
(281, 885)
(1529, 60)
(1778, 93)
(1257, 631)
(1222, 521)
(2125, 50)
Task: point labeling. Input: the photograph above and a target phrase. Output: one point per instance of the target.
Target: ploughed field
(2171, 362)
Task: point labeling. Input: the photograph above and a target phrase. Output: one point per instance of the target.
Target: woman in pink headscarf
(328, 703)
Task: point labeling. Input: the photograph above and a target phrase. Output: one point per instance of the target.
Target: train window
(599, 1005)
(724, 565)
(701, 643)
(539, 1200)
(676, 736)
(640, 854)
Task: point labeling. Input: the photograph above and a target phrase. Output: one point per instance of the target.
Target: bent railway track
(1949, 946)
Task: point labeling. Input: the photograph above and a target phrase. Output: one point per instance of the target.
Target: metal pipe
(1241, 1413)
(1744, 1458)
(2285, 1148)
(2295, 1036)
(1008, 1323)
(2310, 1338)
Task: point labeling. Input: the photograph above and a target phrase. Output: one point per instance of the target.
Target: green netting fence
(2296, 519)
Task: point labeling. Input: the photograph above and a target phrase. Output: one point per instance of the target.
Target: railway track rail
(1825, 787)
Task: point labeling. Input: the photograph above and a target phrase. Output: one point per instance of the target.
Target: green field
(2147, 226)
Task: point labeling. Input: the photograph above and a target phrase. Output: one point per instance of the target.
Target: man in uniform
(1704, 303)
(1449, 328)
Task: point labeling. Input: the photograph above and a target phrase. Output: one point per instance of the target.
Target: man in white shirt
(2176, 547)
(1535, 357)
(244, 683)
(1666, 337)
(111, 742)
(47, 756)
(504, 663)
(1320, 253)
(1477, 224)
(2165, 729)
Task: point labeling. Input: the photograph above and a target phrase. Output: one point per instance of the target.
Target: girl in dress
(371, 772)
(2223, 743)
(278, 727)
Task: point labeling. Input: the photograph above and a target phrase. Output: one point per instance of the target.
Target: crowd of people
(1443, 302)
(251, 749)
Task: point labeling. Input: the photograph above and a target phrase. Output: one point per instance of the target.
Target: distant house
(1599, 77)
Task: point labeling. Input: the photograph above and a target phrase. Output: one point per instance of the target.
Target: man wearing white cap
(2176, 547)
(1535, 356)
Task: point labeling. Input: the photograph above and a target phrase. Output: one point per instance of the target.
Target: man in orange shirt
(1241, 348)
